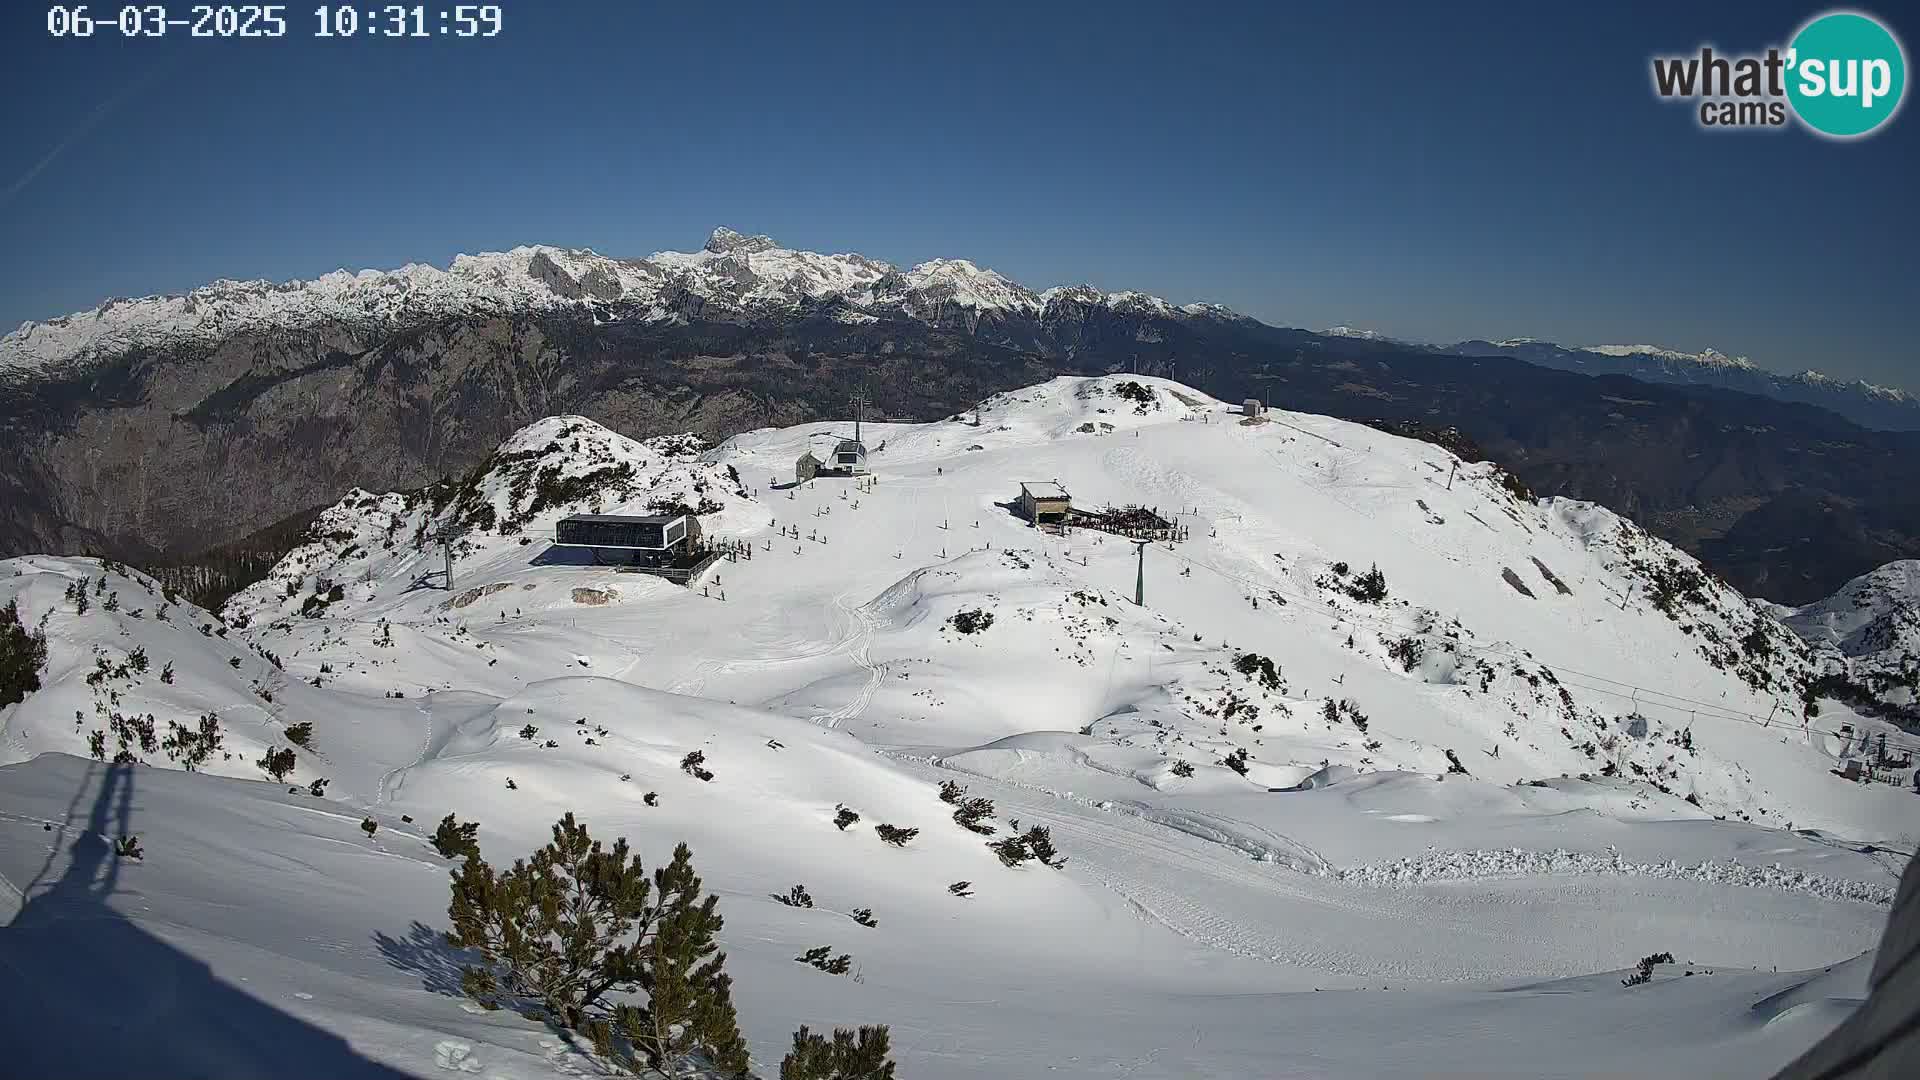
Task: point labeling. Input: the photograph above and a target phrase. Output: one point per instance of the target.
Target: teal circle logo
(1846, 74)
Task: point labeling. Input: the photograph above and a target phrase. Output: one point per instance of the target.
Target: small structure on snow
(806, 468)
(1252, 407)
(1044, 502)
(850, 457)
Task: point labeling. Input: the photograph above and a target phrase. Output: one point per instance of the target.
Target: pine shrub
(128, 847)
(278, 762)
(843, 817)
(864, 916)
(1039, 840)
(300, 734)
(798, 896)
(951, 792)
(821, 957)
(369, 826)
(1012, 850)
(1182, 768)
(694, 765)
(961, 888)
(1237, 761)
(193, 747)
(22, 656)
(848, 1056)
(1643, 974)
(972, 814)
(455, 838)
(895, 835)
(559, 931)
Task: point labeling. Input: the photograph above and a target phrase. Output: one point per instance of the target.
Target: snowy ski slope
(1641, 772)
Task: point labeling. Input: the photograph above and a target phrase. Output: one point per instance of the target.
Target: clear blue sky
(1431, 170)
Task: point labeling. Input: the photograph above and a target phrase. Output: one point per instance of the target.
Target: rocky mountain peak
(725, 241)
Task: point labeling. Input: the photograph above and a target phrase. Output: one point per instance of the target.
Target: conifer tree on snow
(895, 835)
(22, 656)
(972, 814)
(848, 1056)
(455, 838)
(576, 922)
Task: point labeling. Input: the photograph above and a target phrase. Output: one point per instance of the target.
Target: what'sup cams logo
(1842, 76)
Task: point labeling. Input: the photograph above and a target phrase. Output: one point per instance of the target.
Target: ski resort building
(1252, 407)
(806, 468)
(643, 538)
(1044, 502)
(850, 457)
(671, 546)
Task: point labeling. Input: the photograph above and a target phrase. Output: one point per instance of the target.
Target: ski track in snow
(1481, 865)
(859, 643)
(385, 792)
(1133, 861)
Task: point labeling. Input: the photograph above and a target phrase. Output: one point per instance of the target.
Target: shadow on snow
(90, 994)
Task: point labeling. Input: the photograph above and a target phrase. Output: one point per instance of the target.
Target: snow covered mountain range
(733, 275)
(736, 275)
(1383, 726)
(1863, 402)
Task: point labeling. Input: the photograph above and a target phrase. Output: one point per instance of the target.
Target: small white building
(850, 457)
(1252, 407)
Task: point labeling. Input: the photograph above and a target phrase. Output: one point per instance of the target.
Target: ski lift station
(850, 457)
(652, 539)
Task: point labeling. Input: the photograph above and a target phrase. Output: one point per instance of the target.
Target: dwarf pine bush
(278, 762)
(455, 838)
(972, 815)
(559, 931)
(848, 1056)
(895, 835)
(22, 656)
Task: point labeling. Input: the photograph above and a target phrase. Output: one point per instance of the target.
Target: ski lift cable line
(1714, 710)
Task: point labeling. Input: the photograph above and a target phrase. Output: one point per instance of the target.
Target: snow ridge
(1706, 357)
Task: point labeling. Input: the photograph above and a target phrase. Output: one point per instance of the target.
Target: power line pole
(1140, 573)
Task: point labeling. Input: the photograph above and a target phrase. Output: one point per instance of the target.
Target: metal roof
(629, 519)
(849, 444)
(1044, 489)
